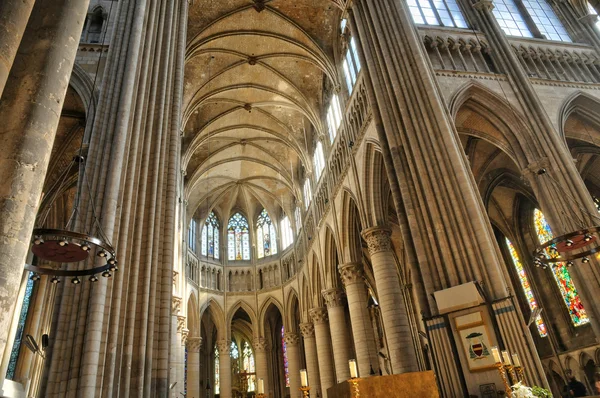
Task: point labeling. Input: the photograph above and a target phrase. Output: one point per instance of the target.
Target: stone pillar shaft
(224, 368)
(391, 301)
(261, 351)
(340, 336)
(193, 367)
(310, 352)
(293, 356)
(364, 340)
(323, 338)
(14, 15)
(30, 111)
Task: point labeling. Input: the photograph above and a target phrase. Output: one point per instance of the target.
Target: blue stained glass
(266, 235)
(14, 354)
(238, 240)
(285, 359)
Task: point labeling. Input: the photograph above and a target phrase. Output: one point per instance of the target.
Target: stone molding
(260, 344)
(223, 346)
(351, 273)
(333, 297)
(307, 329)
(193, 344)
(378, 239)
(291, 339)
(319, 315)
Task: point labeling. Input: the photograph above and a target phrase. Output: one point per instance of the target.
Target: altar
(415, 384)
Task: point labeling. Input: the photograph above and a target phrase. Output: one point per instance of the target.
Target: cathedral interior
(275, 198)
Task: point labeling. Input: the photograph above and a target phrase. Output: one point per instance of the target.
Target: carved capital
(590, 19)
(291, 339)
(378, 239)
(319, 315)
(184, 337)
(175, 304)
(180, 323)
(260, 344)
(484, 5)
(175, 274)
(223, 346)
(351, 273)
(333, 297)
(193, 344)
(537, 168)
(307, 329)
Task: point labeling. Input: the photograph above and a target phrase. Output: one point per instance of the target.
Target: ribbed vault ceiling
(254, 81)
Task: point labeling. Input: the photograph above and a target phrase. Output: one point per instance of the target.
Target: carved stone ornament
(484, 5)
(223, 346)
(319, 315)
(307, 329)
(180, 323)
(193, 344)
(291, 339)
(333, 297)
(260, 344)
(537, 167)
(184, 336)
(351, 273)
(259, 5)
(378, 239)
(176, 304)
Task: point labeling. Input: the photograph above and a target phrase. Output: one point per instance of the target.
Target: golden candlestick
(305, 391)
(520, 373)
(354, 381)
(502, 372)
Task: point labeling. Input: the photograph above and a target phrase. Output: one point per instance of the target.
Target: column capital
(484, 5)
(193, 344)
(291, 339)
(590, 19)
(307, 329)
(351, 273)
(175, 304)
(319, 315)
(537, 167)
(180, 323)
(223, 347)
(260, 344)
(333, 297)
(184, 336)
(378, 239)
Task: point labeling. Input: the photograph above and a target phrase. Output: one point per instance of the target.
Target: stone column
(391, 301)
(261, 351)
(310, 353)
(14, 15)
(30, 111)
(362, 330)
(340, 335)
(193, 367)
(323, 339)
(293, 356)
(224, 368)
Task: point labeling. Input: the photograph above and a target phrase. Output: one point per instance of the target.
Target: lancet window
(217, 375)
(319, 160)
(437, 12)
(210, 237)
(561, 273)
(351, 65)
(287, 235)
(14, 354)
(266, 237)
(307, 194)
(248, 365)
(298, 216)
(285, 358)
(192, 235)
(238, 238)
(509, 15)
(334, 116)
(527, 290)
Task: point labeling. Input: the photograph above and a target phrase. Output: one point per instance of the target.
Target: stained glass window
(307, 193)
(234, 351)
(185, 372)
(266, 237)
(319, 160)
(248, 365)
(526, 287)
(14, 354)
(285, 359)
(561, 273)
(210, 237)
(192, 235)
(217, 376)
(238, 239)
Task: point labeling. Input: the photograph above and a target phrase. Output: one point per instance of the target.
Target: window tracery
(509, 15)
(238, 238)
(437, 12)
(266, 237)
(561, 273)
(531, 301)
(210, 237)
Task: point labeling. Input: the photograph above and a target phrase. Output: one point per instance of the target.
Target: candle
(496, 354)
(506, 357)
(303, 378)
(353, 368)
(261, 386)
(515, 359)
